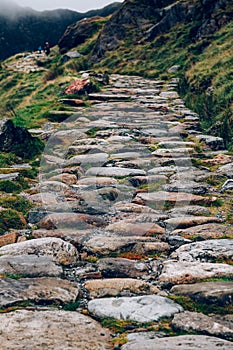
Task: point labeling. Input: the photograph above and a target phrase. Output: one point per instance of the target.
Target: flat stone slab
(184, 222)
(226, 170)
(97, 181)
(52, 329)
(184, 342)
(187, 187)
(53, 186)
(102, 245)
(38, 290)
(196, 322)
(113, 287)
(62, 252)
(205, 231)
(74, 237)
(122, 268)
(175, 144)
(68, 179)
(140, 309)
(209, 251)
(162, 197)
(29, 265)
(189, 210)
(125, 228)
(220, 293)
(11, 176)
(114, 172)
(191, 272)
(87, 159)
(69, 220)
(134, 208)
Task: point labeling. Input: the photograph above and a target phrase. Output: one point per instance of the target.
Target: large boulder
(52, 329)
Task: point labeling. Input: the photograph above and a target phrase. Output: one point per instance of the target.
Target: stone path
(126, 225)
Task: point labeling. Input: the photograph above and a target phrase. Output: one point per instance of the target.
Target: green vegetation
(11, 219)
(15, 202)
(205, 73)
(72, 306)
(202, 307)
(9, 186)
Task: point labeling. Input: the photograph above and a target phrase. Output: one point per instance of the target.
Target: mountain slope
(151, 36)
(24, 29)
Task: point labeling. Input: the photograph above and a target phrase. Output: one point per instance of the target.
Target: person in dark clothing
(47, 48)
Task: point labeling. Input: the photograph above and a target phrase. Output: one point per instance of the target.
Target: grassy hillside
(205, 73)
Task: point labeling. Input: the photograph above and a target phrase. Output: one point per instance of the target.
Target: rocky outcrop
(79, 32)
(139, 21)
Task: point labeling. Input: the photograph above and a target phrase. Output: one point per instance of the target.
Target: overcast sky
(78, 5)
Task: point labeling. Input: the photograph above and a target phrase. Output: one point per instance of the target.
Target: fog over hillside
(24, 29)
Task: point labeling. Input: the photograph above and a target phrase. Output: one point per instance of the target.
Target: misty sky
(78, 5)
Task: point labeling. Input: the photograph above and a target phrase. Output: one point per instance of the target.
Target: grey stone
(228, 185)
(184, 186)
(88, 159)
(54, 186)
(141, 309)
(11, 176)
(215, 143)
(189, 221)
(205, 231)
(196, 322)
(52, 329)
(60, 251)
(104, 245)
(187, 342)
(220, 293)
(226, 170)
(115, 287)
(38, 290)
(114, 172)
(208, 251)
(189, 210)
(120, 267)
(29, 265)
(184, 272)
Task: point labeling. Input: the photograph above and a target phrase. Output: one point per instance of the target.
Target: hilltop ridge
(24, 29)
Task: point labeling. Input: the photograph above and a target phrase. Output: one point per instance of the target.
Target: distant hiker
(47, 48)
(40, 49)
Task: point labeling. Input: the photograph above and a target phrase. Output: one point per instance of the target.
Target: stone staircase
(130, 223)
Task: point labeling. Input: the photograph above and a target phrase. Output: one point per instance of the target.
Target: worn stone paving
(126, 225)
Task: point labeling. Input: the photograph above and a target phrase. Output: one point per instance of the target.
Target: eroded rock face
(157, 17)
(79, 32)
(52, 329)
